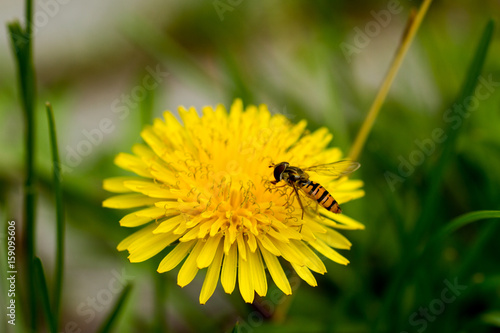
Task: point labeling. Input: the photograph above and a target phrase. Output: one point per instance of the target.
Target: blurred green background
(128, 61)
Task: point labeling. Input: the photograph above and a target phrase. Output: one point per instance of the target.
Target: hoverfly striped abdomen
(321, 195)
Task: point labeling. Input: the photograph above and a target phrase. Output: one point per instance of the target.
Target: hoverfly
(298, 179)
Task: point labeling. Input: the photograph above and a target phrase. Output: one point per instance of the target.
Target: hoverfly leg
(298, 198)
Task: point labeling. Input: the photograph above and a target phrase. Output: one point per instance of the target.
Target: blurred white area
(82, 45)
(79, 30)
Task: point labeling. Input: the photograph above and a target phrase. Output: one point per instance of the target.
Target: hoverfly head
(279, 170)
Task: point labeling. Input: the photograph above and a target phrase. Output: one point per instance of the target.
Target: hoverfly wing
(335, 169)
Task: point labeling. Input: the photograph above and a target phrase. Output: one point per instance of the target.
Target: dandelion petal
(258, 273)
(207, 254)
(175, 256)
(245, 280)
(189, 269)
(228, 277)
(276, 271)
(212, 277)
(305, 274)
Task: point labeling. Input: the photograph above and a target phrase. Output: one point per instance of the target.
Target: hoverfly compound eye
(279, 169)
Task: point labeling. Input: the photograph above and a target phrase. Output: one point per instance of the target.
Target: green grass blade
(414, 259)
(21, 45)
(486, 235)
(29, 17)
(432, 198)
(236, 328)
(492, 318)
(478, 61)
(431, 201)
(466, 219)
(41, 285)
(19, 40)
(60, 227)
(23, 53)
(110, 321)
(455, 224)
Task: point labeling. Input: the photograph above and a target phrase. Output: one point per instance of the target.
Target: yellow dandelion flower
(204, 188)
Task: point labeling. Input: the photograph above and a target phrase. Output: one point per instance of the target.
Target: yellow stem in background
(413, 24)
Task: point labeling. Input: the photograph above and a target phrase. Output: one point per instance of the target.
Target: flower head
(203, 187)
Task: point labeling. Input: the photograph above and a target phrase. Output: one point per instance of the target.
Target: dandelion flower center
(204, 187)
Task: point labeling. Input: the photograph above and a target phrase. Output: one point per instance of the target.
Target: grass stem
(412, 27)
(21, 39)
(60, 227)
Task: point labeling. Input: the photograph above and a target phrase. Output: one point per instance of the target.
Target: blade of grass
(236, 328)
(456, 224)
(432, 201)
(465, 219)
(485, 236)
(492, 318)
(415, 258)
(23, 52)
(113, 315)
(408, 36)
(41, 285)
(434, 247)
(426, 224)
(60, 228)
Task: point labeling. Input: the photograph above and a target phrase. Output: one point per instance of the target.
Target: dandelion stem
(414, 22)
(56, 165)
